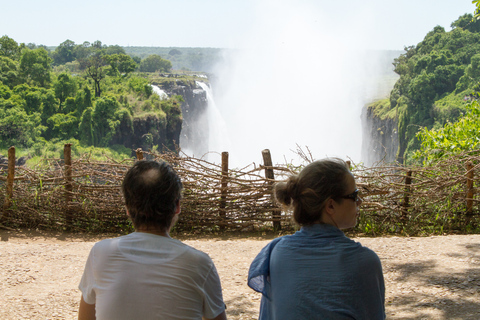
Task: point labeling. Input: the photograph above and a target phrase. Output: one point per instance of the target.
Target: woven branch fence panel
(396, 199)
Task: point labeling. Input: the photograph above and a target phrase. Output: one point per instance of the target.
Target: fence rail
(82, 194)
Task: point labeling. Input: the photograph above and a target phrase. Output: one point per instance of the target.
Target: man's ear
(178, 208)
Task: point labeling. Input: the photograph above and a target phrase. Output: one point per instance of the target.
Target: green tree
(9, 48)
(17, 128)
(467, 22)
(85, 129)
(452, 138)
(5, 92)
(8, 72)
(63, 126)
(49, 106)
(443, 64)
(82, 51)
(103, 119)
(64, 86)
(115, 49)
(65, 52)
(94, 67)
(83, 100)
(154, 63)
(121, 63)
(35, 66)
(174, 52)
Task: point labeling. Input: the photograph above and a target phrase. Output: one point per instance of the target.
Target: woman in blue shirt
(318, 272)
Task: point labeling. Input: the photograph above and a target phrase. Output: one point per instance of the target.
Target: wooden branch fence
(84, 195)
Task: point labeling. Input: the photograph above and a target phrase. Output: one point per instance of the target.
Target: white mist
(298, 77)
(214, 124)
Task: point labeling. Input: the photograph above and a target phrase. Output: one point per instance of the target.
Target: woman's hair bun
(286, 191)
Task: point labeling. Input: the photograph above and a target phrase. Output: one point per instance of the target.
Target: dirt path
(426, 278)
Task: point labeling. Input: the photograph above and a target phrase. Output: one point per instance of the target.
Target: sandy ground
(426, 278)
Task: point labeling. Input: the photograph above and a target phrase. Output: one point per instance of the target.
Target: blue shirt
(318, 273)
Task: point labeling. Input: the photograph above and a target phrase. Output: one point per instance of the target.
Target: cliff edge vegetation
(92, 95)
(438, 78)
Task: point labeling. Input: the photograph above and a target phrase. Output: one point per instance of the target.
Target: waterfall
(218, 140)
(214, 125)
(162, 94)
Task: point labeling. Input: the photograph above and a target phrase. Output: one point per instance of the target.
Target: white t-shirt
(145, 276)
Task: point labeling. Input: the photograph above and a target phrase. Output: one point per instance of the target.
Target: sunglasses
(354, 196)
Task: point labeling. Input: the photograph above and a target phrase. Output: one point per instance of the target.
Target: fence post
(10, 177)
(406, 195)
(267, 162)
(139, 154)
(469, 191)
(224, 190)
(67, 156)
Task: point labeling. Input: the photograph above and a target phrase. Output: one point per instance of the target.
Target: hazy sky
(215, 23)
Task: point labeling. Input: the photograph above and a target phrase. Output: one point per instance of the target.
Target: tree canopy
(90, 92)
(444, 66)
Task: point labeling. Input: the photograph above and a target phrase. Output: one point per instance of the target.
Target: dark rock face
(380, 138)
(181, 123)
(194, 135)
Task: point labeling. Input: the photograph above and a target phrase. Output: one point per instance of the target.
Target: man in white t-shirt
(147, 274)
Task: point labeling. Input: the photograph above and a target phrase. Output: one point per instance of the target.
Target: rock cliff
(380, 137)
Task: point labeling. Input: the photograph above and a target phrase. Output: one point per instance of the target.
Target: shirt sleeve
(87, 283)
(213, 303)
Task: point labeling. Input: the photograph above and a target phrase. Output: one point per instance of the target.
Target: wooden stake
(469, 190)
(406, 195)
(10, 177)
(139, 154)
(67, 155)
(269, 174)
(224, 188)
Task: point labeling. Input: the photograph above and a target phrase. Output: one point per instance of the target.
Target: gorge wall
(380, 137)
(191, 131)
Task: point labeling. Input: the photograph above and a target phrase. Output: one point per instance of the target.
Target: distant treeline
(182, 58)
(194, 59)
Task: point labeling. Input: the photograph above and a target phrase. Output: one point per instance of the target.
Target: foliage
(155, 63)
(65, 86)
(18, 128)
(121, 64)
(9, 48)
(454, 138)
(94, 67)
(8, 72)
(93, 95)
(35, 66)
(444, 64)
(197, 59)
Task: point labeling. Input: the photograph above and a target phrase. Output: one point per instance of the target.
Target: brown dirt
(426, 278)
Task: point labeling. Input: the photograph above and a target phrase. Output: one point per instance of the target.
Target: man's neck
(157, 232)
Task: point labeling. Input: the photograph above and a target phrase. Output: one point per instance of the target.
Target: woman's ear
(128, 213)
(330, 206)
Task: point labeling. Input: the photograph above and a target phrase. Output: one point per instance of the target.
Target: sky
(214, 23)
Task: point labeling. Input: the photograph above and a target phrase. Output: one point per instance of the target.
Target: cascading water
(162, 94)
(218, 140)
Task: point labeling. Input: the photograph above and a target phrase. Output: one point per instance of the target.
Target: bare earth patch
(426, 278)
